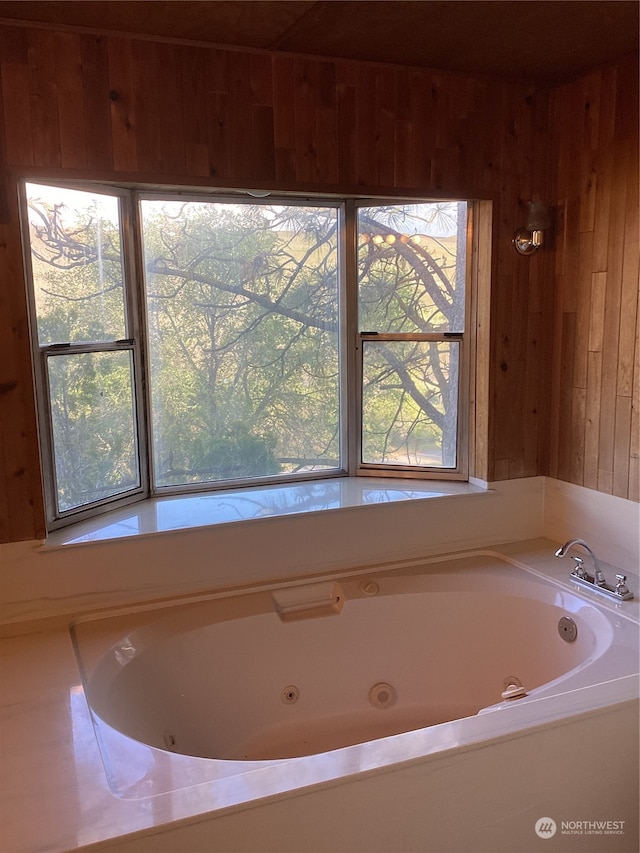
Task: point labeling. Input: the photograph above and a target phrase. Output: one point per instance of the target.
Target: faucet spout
(598, 575)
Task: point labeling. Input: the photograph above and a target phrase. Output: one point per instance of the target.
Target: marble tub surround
(293, 534)
(58, 795)
(374, 522)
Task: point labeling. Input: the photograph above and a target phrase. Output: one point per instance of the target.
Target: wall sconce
(531, 237)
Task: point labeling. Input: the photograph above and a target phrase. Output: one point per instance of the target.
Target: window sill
(185, 512)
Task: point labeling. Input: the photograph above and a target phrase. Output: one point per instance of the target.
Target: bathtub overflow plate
(567, 629)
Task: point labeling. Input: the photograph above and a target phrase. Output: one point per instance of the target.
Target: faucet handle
(578, 570)
(621, 585)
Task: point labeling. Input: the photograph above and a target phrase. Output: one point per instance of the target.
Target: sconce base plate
(523, 242)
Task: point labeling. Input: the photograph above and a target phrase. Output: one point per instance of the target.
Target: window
(411, 318)
(185, 341)
(87, 368)
(243, 320)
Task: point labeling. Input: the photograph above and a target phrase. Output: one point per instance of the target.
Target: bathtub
(289, 686)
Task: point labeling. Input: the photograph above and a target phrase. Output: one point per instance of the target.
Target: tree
(412, 284)
(243, 327)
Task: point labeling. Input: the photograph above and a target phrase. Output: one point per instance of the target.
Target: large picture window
(186, 342)
(243, 319)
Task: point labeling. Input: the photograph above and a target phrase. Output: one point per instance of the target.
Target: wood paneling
(21, 500)
(118, 108)
(594, 413)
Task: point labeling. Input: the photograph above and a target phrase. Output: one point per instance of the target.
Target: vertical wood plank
(596, 318)
(590, 131)
(385, 126)
(535, 369)
(97, 103)
(261, 79)
(327, 124)
(566, 428)
(219, 118)
(592, 419)
(583, 310)
(148, 103)
(68, 68)
(122, 97)
(262, 120)
(628, 318)
(578, 408)
(423, 128)
(170, 123)
(622, 446)
(305, 106)
(284, 124)
(240, 107)
(346, 134)
(365, 125)
(263, 157)
(43, 99)
(16, 111)
(193, 73)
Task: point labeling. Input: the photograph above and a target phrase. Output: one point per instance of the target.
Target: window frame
(224, 197)
(461, 470)
(350, 347)
(42, 353)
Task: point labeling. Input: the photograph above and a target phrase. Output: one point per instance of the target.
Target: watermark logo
(546, 827)
(592, 827)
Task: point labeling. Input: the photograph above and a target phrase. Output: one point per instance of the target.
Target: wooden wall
(595, 428)
(77, 104)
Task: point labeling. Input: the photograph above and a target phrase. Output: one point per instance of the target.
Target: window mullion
(351, 388)
(137, 329)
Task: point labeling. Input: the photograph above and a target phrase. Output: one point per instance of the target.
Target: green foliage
(233, 455)
(242, 309)
(93, 426)
(243, 330)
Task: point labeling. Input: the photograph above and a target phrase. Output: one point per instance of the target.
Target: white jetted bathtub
(301, 683)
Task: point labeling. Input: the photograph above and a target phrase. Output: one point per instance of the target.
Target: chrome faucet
(598, 576)
(580, 575)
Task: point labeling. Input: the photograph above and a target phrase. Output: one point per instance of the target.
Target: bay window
(185, 341)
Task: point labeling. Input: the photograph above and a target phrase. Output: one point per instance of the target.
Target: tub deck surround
(373, 521)
(59, 794)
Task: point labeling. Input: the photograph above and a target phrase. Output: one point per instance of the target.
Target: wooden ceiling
(542, 41)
